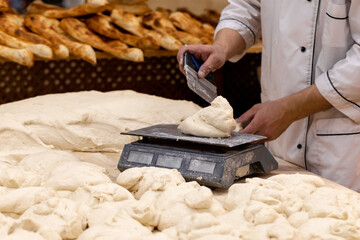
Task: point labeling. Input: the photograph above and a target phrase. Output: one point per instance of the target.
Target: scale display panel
(202, 166)
(169, 161)
(140, 157)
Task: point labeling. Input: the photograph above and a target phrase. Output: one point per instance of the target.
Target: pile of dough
(214, 121)
(49, 193)
(84, 121)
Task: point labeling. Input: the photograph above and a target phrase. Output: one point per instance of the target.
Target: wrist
(230, 42)
(221, 47)
(290, 108)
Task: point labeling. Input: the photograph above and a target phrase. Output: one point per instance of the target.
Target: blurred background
(20, 5)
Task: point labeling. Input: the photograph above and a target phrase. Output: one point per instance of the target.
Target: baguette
(131, 23)
(4, 6)
(102, 25)
(77, 11)
(161, 23)
(38, 7)
(13, 25)
(80, 32)
(20, 56)
(135, 8)
(189, 24)
(40, 50)
(127, 1)
(49, 29)
(97, 3)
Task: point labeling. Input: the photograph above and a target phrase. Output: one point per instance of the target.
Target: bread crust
(131, 23)
(39, 50)
(135, 8)
(12, 24)
(77, 11)
(80, 32)
(161, 23)
(20, 56)
(38, 7)
(102, 25)
(4, 6)
(49, 28)
(189, 24)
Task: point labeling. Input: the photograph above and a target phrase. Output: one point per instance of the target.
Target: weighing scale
(214, 162)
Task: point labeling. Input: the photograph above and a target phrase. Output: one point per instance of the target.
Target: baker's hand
(213, 56)
(269, 119)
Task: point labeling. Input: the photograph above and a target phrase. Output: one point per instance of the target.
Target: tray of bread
(98, 29)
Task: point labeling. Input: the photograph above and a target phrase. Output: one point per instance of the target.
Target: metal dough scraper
(204, 87)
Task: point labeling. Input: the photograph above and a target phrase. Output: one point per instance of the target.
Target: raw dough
(71, 175)
(66, 217)
(214, 121)
(47, 193)
(140, 180)
(103, 192)
(83, 121)
(20, 199)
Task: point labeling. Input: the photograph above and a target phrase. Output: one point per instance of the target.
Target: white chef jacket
(309, 42)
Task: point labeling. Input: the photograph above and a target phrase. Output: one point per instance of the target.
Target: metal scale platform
(214, 162)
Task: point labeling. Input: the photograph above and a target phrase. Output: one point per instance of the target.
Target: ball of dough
(217, 120)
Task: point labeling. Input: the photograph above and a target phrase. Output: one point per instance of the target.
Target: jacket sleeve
(340, 85)
(242, 16)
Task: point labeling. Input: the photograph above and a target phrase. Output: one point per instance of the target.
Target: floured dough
(206, 226)
(25, 229)
(103, 192)
(47, 191)
(66, 217)
(71, 175)
(140, 180)
(214, 121)
(83, 121)
(20, 199)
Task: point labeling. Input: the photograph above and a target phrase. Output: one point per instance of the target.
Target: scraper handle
(195, 64)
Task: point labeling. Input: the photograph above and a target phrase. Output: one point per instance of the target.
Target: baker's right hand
(214, 57)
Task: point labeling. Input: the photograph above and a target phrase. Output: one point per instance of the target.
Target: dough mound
(49, 191)
(215, 120)
(84, 121)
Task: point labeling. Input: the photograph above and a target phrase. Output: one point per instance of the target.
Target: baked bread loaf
(102, 25)
(38, 7)
(131, 23)
(77, 11)
(12, 24)
(4, 6)
(39, 50)
(78, 30)
(49, 28)
(135, 8)
(20, 56)
(161, 23)
(186, 23)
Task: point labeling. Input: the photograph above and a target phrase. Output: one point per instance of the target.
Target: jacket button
(299, 146)
(303, 49)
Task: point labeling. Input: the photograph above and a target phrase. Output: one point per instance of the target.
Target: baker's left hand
(269, 119)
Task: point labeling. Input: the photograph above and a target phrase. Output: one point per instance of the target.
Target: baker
(310, 79)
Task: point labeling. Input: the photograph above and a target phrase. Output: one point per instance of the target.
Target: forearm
(230, 41)
(305, 103)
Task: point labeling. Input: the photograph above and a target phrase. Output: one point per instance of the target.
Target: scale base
(211, 167)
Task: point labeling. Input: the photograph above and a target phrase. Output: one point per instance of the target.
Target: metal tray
(171, 132)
